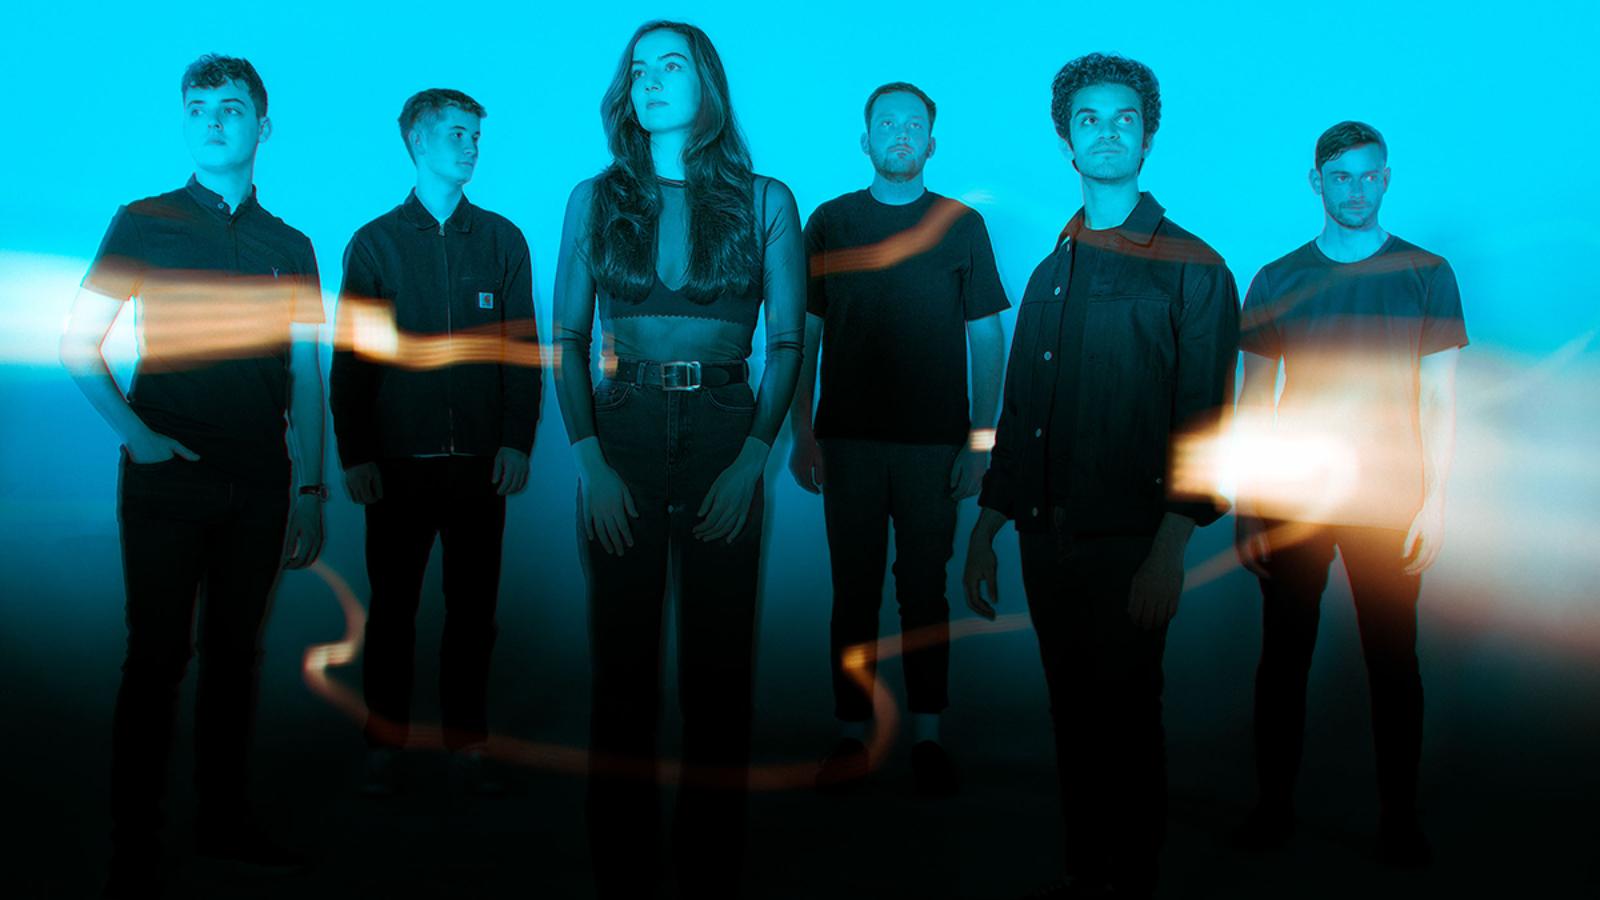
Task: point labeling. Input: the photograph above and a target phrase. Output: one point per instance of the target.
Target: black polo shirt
(1125, 339)
(896, 286)
(217, 290)
(459, 374)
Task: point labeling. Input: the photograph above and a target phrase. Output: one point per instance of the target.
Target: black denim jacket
(465, 378)
(1148, 355)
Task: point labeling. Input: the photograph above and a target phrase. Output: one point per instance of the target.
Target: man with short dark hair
(230, 305)
(902, 284)
(1369, 329)
(435, 395)
(1125, 343)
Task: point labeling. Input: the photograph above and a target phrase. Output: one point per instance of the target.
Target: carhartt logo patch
(485, 300)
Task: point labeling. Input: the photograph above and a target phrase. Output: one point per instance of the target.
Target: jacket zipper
(449, 333)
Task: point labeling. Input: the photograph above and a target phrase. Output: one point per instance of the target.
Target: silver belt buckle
(680, 376)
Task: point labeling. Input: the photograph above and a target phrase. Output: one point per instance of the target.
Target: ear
(1386, 178)
(1065, 146)
(933, 144)
(1149, 144)
(865, 148)
(1314, 178)
(266, 130)
(414, 141)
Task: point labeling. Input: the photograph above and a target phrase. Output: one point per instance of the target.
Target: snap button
(1047, 356)
(1038, 432)
(1058, 290)
(1036, 510)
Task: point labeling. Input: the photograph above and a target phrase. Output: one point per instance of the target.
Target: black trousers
(187, 531)
(452, 498)
(868, 483)
(668, 447)
(1386, 613)
(1105, 681)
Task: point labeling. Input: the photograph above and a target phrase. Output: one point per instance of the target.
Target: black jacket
(1147, 354)
(436, 348)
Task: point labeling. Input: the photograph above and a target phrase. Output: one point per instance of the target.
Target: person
(230, 305)
(1369, 328)
(901, 321)
(1124, 346)
(434, 438)
(682, 246)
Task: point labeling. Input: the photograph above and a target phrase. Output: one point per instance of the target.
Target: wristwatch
(320, 491)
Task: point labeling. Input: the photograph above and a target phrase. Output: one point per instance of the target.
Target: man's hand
(1250, 543)
(304, 542)
(966, 473)
(149, 447)
(1424, 538)
(805, 463)
(1153, 596)
(363, 483)
(982, 569)
(510, 471)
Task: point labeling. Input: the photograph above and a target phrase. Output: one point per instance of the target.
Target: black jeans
(668, 447)
(1105, 681)
(189, 530)
(453, 498)
(1386, 612)
(869, 482)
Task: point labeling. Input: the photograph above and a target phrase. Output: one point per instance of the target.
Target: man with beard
(1125, 340)
(902, 282)
(1369, 328)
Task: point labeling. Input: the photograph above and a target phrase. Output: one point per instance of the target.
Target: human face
(1352, 185)
(897, 139)
(1106, 132)
(222, 128)
(446, 144)
(666, 84)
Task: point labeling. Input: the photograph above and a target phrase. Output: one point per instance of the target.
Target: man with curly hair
(1125, 343)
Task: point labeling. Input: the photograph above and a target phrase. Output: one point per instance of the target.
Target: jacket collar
(211, 200)
(414, 212)
(1140, 226)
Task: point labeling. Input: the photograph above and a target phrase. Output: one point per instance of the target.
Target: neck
(1107, 204)
(666, 153)
(438, 196)
(1343, 244)
(896, 193)
(232, 185)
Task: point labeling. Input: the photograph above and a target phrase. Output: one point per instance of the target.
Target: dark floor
(1508, 793)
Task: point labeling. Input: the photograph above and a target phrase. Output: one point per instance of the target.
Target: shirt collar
(213, 201)
(414, 212)
(1140, 226)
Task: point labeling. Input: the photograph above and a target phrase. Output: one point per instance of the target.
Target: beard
(1354, 218)
(894, 167)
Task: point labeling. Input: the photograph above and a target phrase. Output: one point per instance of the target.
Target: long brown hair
(626, 206)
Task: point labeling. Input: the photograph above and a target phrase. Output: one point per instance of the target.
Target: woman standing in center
(681, 243)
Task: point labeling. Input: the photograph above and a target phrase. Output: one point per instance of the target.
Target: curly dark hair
(214, 70)
(1343, 136)
(1105, 68)
(432, 102)
(723, 255)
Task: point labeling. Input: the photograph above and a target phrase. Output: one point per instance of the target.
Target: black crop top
(666, 325)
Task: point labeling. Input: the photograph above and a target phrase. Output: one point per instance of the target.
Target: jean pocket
(612, 395)
(735, 398)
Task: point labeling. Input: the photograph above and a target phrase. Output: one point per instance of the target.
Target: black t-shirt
(217, 291)
(896, 286)
(1351, 336)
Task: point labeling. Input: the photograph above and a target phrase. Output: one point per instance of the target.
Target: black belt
(681, 375)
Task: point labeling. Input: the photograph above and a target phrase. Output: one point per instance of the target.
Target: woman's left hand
(727, 505)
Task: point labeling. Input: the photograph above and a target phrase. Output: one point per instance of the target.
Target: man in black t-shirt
(901, 282)
(1369, 328)
(229, 308)
(434, 415)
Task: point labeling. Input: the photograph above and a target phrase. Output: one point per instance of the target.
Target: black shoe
(935, 775)
(844, 768)
(1071, 888)
(1266, 829)
(245, 844)
(1403, 845)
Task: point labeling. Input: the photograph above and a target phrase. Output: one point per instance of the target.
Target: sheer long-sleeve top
(665, 325)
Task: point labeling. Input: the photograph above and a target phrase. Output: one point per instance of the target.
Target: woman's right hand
(607, 506)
